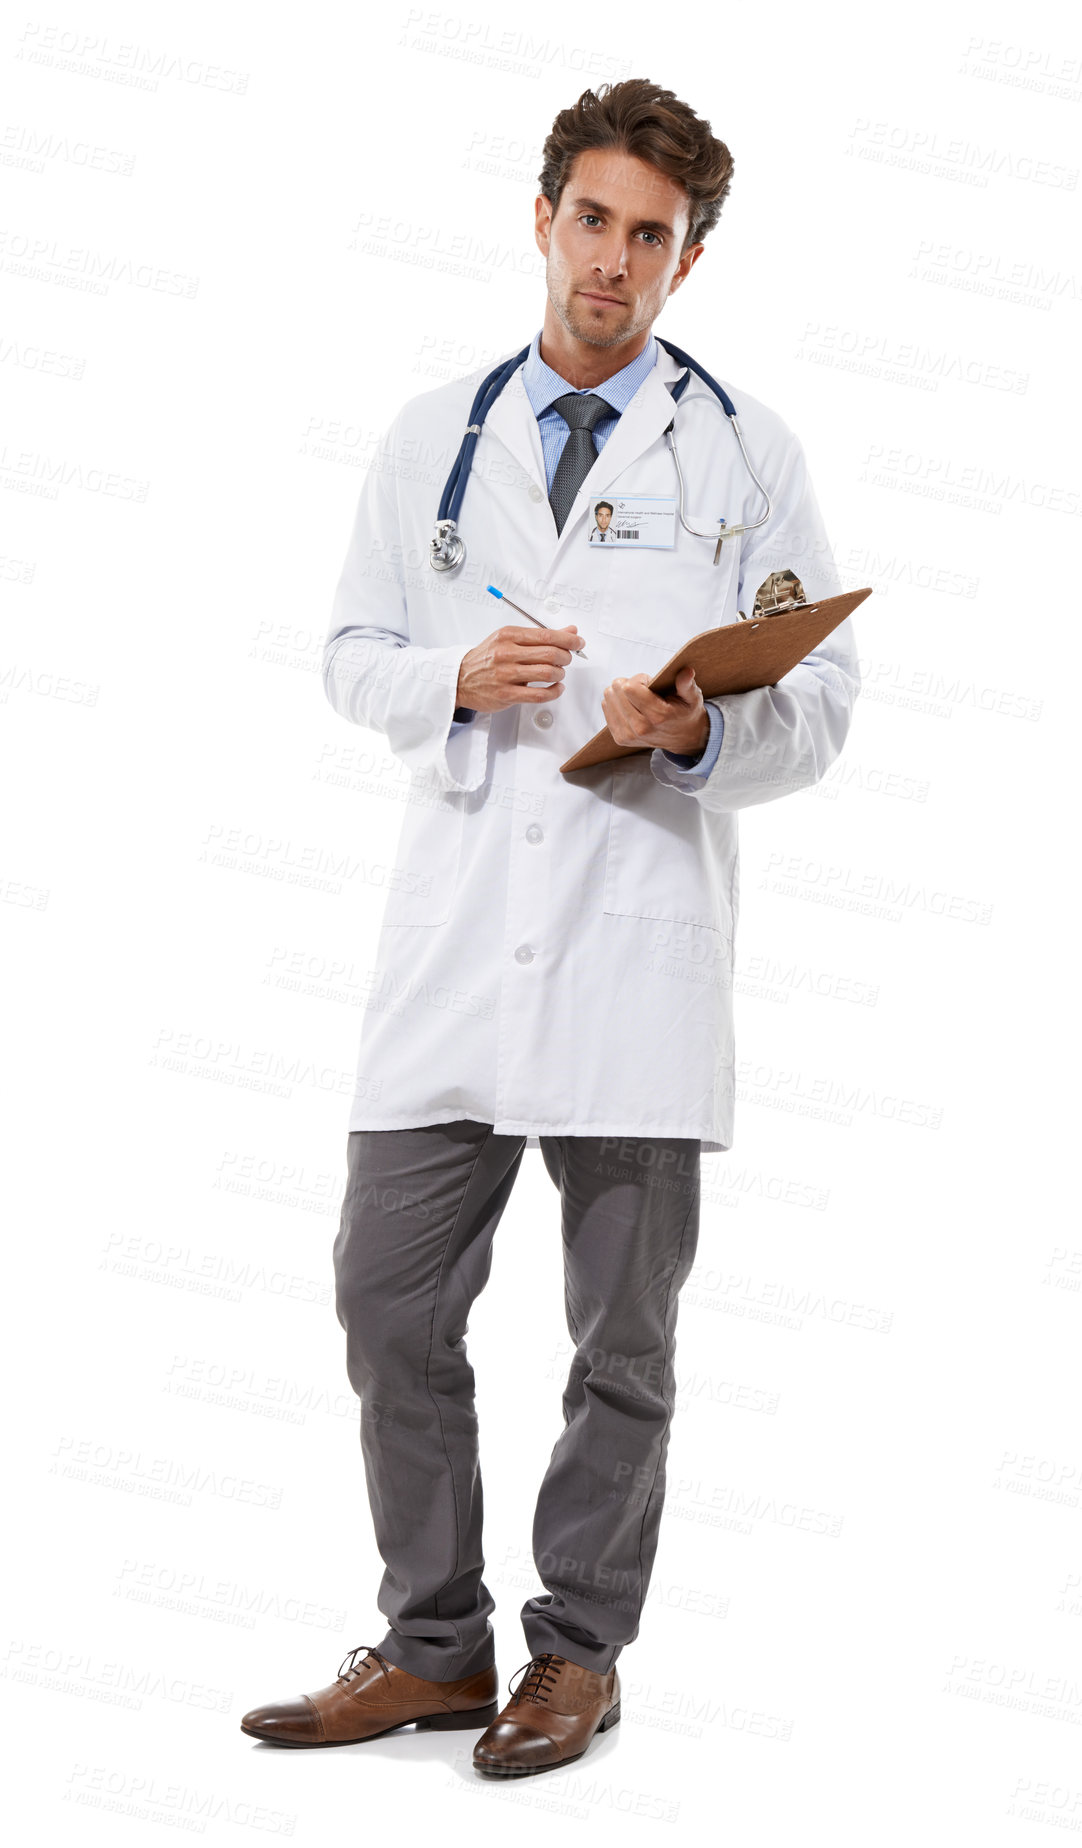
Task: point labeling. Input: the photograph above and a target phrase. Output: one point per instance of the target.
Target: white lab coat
(556, 951)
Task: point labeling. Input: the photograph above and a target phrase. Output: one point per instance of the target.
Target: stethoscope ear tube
(720, 531)
(685, 359)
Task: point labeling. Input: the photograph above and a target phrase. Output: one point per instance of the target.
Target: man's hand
(679, 722)
(494, 674)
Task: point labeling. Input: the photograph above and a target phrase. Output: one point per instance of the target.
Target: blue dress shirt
(543, 387)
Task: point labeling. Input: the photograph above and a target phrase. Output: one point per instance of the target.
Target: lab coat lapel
(512, 422)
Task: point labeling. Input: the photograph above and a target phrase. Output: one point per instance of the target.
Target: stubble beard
(589, 325)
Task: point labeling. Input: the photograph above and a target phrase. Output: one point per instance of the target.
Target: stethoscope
(447, 548)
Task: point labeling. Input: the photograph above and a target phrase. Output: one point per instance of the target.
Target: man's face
(613, 247)
(604, 515)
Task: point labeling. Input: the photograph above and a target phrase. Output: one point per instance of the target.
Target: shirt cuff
(700, 763)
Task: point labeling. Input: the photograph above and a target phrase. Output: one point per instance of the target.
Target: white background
(866, 1613)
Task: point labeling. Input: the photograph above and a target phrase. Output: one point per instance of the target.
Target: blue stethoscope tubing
(447, 548)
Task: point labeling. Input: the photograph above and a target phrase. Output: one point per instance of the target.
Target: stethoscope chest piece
(446, 549)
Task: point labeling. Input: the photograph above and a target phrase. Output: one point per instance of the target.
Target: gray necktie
(580, 412)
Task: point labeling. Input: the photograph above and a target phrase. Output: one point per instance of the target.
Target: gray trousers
(413, 1252)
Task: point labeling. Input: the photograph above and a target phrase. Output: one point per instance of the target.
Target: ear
(542, 221)
(683, 268)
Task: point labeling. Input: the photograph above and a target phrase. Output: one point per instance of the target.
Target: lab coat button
(542, 718)
(534, 833)
(535, 492)
(524, 954)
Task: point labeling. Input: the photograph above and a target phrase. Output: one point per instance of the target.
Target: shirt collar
(543, 386)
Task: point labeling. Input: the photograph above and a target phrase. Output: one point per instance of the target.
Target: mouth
(601, 301)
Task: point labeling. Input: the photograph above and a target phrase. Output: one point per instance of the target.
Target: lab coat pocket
(660, 860)
(661, 599)
(427, 856)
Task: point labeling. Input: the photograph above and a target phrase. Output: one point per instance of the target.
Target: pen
(493, 592)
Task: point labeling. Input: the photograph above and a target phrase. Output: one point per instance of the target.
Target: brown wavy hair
(640, 118)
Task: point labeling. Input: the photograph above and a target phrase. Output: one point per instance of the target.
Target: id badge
(615, 520)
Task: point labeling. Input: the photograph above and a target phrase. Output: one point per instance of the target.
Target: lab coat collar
(512, 422)
(544, 386)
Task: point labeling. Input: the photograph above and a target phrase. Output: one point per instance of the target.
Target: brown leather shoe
(371, 1697)
(550, 1719)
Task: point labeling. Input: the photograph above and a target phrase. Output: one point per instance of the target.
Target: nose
(611, 260)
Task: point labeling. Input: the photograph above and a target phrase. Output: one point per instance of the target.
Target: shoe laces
(540, 1671)
(355, 1666)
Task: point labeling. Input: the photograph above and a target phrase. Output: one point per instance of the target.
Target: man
(555, 958)
(599, 532)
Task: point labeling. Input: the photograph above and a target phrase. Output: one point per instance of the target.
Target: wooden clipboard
(755, 652)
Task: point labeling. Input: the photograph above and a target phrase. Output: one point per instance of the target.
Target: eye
(590, 219)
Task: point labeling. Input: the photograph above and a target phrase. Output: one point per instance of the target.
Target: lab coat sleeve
(373, 674)
(782, 738)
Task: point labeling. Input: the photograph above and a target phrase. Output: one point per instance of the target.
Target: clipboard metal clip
(777, 594)
(778, 609)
